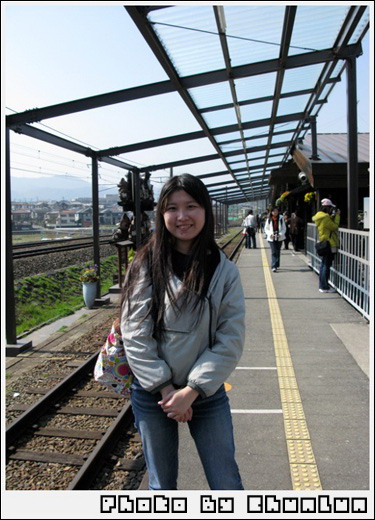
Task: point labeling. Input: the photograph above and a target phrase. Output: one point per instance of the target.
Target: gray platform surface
(328, 342)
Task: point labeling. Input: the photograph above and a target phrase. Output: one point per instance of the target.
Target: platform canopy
(253, 76)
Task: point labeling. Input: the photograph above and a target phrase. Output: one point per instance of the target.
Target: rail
(350, 272)
(56, 248)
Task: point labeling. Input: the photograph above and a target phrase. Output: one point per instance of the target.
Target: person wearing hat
(327, 221)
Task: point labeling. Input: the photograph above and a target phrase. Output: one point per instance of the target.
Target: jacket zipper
(210, 323)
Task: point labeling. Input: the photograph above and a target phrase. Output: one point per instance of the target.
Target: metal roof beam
(256, 100)
(78, 105)
(264, 67)
(46, 137)
(235, 198)
(244, 186)
(163, 141)
(289, 17)
(237, 194)
(353, 17)
(218, 174)
(259, 136)
(212, 157)
(224, 183)
(165, 87)
(221, 25)
(151, 38)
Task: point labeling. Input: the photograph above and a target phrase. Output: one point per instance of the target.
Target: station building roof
(333, 148)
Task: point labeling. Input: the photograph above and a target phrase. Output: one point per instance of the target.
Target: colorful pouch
(112, 368)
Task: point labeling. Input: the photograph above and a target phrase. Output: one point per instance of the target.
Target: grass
(45, 298)
(64, 328)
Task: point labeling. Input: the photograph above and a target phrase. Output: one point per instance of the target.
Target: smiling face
(184, 218)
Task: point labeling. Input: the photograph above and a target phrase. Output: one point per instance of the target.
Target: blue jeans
(275, 253)
(212, 431)
(325, 267)
(251, 239)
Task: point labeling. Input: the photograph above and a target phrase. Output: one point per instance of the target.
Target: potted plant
(281, 200)
(89, 279)
(309, 197)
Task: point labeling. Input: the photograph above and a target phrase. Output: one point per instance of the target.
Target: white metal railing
(350, 272)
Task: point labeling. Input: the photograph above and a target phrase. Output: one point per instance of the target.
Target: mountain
(52, 188)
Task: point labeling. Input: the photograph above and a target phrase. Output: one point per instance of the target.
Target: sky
(59, 51)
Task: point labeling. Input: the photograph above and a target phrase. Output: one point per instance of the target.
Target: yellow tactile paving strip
(303, 468)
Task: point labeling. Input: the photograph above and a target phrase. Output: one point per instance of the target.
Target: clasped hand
(177, 403)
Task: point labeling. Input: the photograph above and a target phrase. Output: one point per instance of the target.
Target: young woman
(183, 330)
(327, 221)
(275, 231)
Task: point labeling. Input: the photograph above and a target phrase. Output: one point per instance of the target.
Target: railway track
(44, 437)
(28, 440)
(37, 248)
(26, 251)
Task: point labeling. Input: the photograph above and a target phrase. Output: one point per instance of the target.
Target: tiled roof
(333, 148)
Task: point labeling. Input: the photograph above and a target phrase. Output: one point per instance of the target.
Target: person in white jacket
(183, 329)
(250, 229)
(275, 231)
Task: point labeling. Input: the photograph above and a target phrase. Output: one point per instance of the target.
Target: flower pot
(89, 293)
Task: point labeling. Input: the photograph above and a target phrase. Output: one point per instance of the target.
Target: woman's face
(275, 212)
(184, 218)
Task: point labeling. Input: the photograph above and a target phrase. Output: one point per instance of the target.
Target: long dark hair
(270, 213)
(156, 255)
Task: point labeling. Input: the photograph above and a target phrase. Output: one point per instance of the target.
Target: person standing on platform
(183, 330)
(296, 230)
(275, 231)
(250, 225)
(287, 230)
(327, 221)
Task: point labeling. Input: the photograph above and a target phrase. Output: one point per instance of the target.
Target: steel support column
(95, 217)
(216, 219)
(137, 206)
(352, 172)
(12, 348)
(314, 143)
(10, 299)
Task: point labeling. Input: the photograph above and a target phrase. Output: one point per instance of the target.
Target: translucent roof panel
(360, 27)
(256, 111)
(213, 69)
(255, 86)
(316, 28)
(253, 32)
(301, 78)
(257, 142)
(228, 137)
(283, 127)
(211, 95)
(257, 133)
(220, 117)
(292, 104)
(281, 138)
(189, 30)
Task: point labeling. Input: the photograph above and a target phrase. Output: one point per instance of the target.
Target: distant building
(21, 219)
(66, 218)
(83, 217)
(50, 219)
(110, 217)
(111, 198)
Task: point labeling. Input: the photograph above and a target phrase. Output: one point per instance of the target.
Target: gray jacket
(198, 350)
